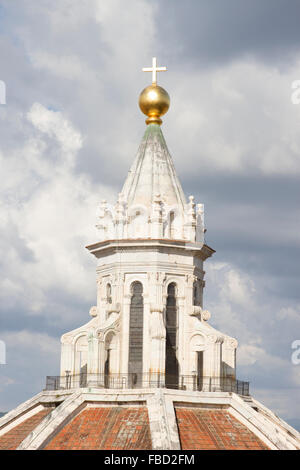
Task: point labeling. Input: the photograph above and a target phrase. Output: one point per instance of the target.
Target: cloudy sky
(70, 131)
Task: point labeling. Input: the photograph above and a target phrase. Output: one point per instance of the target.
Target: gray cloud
(216, 32)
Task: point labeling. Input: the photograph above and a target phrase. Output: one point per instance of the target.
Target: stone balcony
(136, 381)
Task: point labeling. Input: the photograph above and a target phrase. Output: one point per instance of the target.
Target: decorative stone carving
(157, 218)
(67, 338)
(103, 208)
(197, 342)
(196, 311)
(93, 311)
(191, 208)
(112, 324)
(211, 338)
(220, 339)
(205, 315)
(90, 335)
(231, 343)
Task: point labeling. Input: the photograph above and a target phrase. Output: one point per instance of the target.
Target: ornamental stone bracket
(113, 308)
(231, 343)
(215, 338)
(93, 311)
(157, 327)
(196, 311)
(203, 315)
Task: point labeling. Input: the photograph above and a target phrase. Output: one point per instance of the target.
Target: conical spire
(152, 204)
(153, 173)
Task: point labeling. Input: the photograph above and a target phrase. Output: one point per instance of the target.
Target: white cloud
(28, 340)
(63, 66)
(235, 286)
(5, 381)
(55, 125)
(30, 356)
(230, 296)
(283, 402)
(54, 218)
(249, 354)
(132, 27)
(292, 313)
(69, 15)
(237, 289)
(263, 330)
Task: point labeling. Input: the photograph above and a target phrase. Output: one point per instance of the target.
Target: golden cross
(154, 70)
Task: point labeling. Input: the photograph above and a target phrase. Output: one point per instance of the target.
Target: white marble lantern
(149, 322)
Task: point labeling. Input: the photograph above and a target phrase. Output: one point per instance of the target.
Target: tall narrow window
(81, 349)
(110, 365)
(196, 293)
(200, 370)
(172, 228)
(195, 296)
(108, 293)
(172, 368)
(106, 369)
(135, 360)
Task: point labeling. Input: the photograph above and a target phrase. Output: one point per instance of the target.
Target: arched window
(108, 293)
(81, 356)
(196, 293)
(172, 368)
(111, 356)
(136, 322)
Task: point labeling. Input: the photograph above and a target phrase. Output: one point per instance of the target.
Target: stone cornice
(197, 249)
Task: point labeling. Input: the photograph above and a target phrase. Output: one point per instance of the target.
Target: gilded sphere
(154, 101)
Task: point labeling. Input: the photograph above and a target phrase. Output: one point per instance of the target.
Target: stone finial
(200, 212)
(191, 205)
(119, 207)
(103, 208)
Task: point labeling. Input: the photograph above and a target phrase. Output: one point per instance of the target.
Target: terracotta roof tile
(214, 430)
(13, 438)
(105, 428)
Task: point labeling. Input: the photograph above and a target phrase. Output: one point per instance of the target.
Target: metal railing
(131, 381)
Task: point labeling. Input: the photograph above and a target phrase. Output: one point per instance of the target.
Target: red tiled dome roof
(153, 419)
